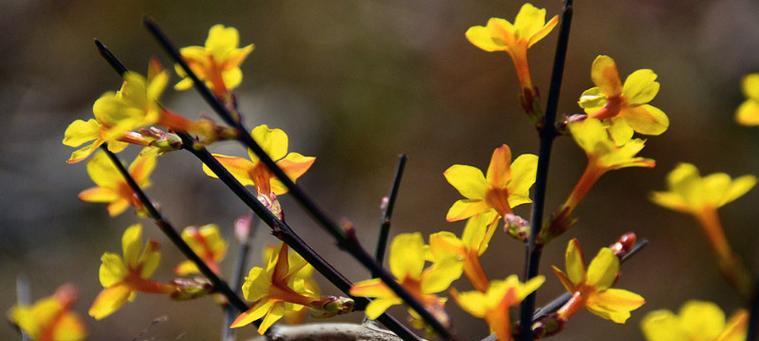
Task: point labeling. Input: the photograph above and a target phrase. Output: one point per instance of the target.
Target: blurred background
(355, 83)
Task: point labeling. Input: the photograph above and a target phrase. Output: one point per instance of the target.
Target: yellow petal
(257, 284)
(466, 208)
(445, 244)
(646, 119)
(529, 21)
(156, 86)
(669, 200)
(735, 329)
(605, 76)
(663, 325)
(79, 132)
(109, 300)
(480, 36)
(499, 169)
(277, 312)
(738, 188)
(702, 319)
(407, 255)
(118, 207)
(544, 31)
(748, 113)
(232, 78)
(255, 312)
(478, 231)
(371, 288)
(527, 288)
(614, 304)
(273, 141)
(575, 264)
(239, 168)
(467, 180)
(621, 132)
(377, 307)
(112, 270)
(441, 274)
(603, 269)
(564, 279)
(294, 165)
(131, 246)
(473, 302)
(523, 172)
(150, 258)
(588, 134)
(186, 268)
(84, 152)
(592, 100)
(214, 241)
(750, 85)
(102, 171)
(640, 87)
(98, 194)
(183, 84)
(69, 328)
(143, 166)
(220, 40)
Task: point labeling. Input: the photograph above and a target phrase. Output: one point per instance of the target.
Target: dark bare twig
(547, 134)
(753, 317)
(23, 297)
(279, 228)
(345, 241)
(388, 203)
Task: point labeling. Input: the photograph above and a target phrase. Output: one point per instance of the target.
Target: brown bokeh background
(355, 83)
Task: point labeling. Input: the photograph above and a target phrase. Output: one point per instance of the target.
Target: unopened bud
(272, 203)
(547, 326)
(243, 227)
(190, 288)
(624, 244)
(516, 226)
(333, 305)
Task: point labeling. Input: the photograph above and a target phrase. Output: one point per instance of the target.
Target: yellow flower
(134, 106)
(701, 197)
(111, 187)
(625, 106)
(604, 154)
(254, 173)
(283, 286)
(472, 244)
(507, 185)
(206, 242)
(218, 62)
(50, 318)
(592, 288)
(691, 193)
(529, 27)
(407, 258)
(697, 321)
(748, 112)
(493, 305)
(122, 277)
